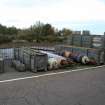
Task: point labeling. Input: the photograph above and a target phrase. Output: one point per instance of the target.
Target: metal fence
(7, 53)
(94, 54)
(89, 41)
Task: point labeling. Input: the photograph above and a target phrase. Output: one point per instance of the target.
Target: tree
(37, 30)
(25, 35)
(12, 30)
(65, 32)
(3, 29)
(48, 30)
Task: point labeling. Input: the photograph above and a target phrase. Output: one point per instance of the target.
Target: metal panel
(60, 49)
(27, 60)
(68, 48)
(97, 55)
(77, 40)
(80, 50)
(87, 41)
(40, 62)
(69, 40)
(21, 51)
(1, 65)
(34, 60)
(7, 53)
(76, 32)
(16, 53)
(86, 32)
(98, 42)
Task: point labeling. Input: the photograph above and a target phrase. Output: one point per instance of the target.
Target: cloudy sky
(73, 14)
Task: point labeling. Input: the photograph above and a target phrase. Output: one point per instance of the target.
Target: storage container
(34, 60)
(39, 62)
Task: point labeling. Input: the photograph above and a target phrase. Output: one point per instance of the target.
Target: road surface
(74, 88)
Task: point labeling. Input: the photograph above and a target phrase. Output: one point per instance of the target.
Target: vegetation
(38, 32)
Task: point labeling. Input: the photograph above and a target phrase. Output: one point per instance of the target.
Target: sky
(72, 14)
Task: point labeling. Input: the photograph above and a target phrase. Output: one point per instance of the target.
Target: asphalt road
(74, 88)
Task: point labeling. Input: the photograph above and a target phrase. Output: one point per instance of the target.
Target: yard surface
(85, 87)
